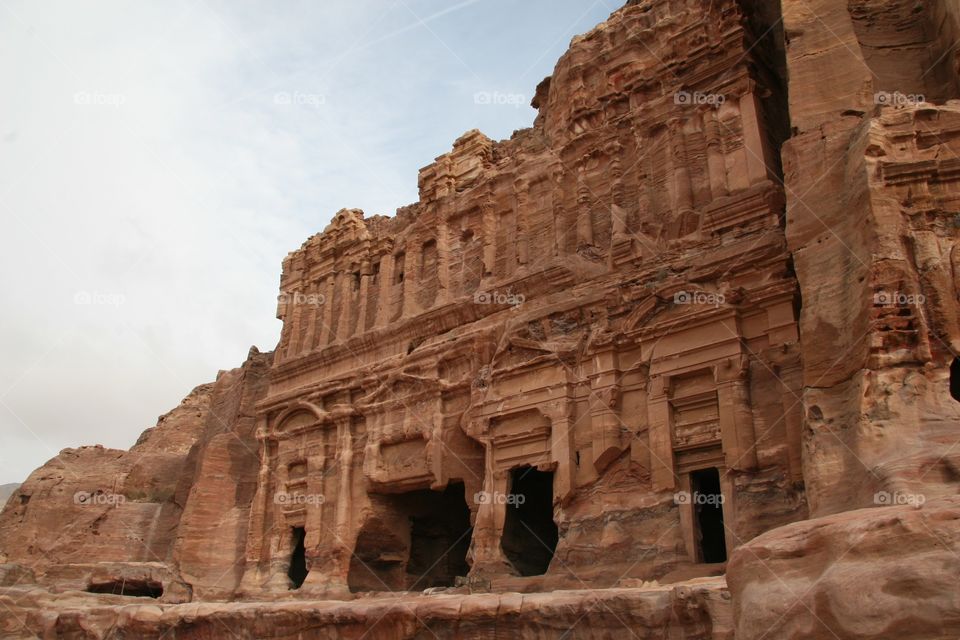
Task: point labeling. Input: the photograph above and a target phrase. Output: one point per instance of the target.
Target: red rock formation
(95, 518)
(605, 298)
(218, 484)
(871, 173)
(104, 505)
(871, 573)
(873, 183)
(645, 334)
(698, 611)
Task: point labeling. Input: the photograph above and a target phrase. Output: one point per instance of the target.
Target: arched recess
(298, 414)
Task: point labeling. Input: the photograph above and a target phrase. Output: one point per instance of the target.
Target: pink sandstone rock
(871, 573)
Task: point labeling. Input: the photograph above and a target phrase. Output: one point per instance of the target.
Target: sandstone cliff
(111, 520)
(96, 504)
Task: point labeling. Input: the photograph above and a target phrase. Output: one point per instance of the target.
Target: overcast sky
(159, 159)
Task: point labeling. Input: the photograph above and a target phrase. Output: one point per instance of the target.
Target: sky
(159, 158)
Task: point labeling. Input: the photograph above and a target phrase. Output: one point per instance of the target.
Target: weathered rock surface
(888, 572)
(105, 505)
(124, 521)
(873, 195)
(711, 293)
(218, 483)
(877, 257)
(699, 610)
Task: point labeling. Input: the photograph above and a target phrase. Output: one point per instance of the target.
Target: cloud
(160, 158)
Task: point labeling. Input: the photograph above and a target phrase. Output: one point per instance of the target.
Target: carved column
(257, 536)
(326, 329)
(293, 347)
(411, 267)
(688, 524)
(312, 311)
(363, 298)
(345, 298)
(432, 432)
(562, 450)
(343, 529)
(640, 436)
(715, 162)
(604, 409)
(735, 158)
(443, 255)
(559, 211)
(645, 169)
(344, 489)
(621, 244)
(618, 213)
(509, 222)
(487, 556)
(522, 238)
(584, 221)
(278, 535)
(489, 236)
(661, 435)
(386, 288)
(753, 139)
(315, 486)
(736, 418)
(284, 312)
(682, 187)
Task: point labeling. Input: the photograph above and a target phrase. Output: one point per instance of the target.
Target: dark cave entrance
(298, 559)
(136, 588)
(708, 514)
(416, 540)
(529, 533)
(955, 379)
(440, 539)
